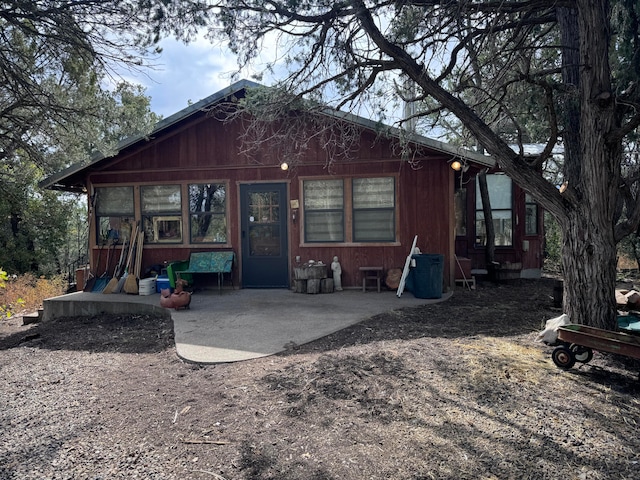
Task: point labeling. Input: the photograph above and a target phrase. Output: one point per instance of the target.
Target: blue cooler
(162, 282)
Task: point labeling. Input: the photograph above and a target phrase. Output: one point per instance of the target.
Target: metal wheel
(582, 354)
(563, 357)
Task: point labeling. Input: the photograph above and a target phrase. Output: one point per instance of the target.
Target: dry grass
(457, 390)
(512, 361)
(25, 293)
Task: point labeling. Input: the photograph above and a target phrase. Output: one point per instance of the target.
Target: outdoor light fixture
(458, 166)
(284, 166)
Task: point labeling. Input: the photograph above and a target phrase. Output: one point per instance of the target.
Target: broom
(131, 283)
(111, 286)
(124, 276)
(101, 282)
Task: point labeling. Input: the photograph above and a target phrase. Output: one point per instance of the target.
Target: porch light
(458, 166)
(284, 166)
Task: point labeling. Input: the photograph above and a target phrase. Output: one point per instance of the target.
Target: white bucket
(147, 286)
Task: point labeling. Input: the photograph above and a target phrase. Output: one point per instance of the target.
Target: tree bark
(589, 245)
(585, 209)
(490, 247)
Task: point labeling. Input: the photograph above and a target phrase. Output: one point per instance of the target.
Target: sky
(184, 74)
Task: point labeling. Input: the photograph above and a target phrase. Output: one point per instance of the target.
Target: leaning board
(405, 272)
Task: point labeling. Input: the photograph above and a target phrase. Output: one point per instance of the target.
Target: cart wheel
(582, 354)
(563, 357)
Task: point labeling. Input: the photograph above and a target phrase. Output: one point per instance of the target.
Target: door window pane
(264, 207)
(264, 240)
(499, 192)
(264, 224)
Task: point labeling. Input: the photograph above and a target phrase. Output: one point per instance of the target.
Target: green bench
(209, 262)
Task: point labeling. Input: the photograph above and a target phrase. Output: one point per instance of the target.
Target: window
(207, 212)
(531, 215)
(161, 208)
(501, 210)
(350, 210)
(323, 210)
(374, 209)
(114, 213)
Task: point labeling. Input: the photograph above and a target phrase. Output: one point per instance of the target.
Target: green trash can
(426, 281)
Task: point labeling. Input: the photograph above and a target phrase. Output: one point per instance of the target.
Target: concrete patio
(235, 325)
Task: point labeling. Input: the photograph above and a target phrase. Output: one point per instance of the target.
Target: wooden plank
(313, 285)
(405, 272)
(300, 286)
(326, 285)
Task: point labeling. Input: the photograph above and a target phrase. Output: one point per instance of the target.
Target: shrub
(26, 293)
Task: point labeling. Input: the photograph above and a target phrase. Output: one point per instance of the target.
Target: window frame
(480, 210)
(180, 216)
(393, 210)
(307, 212)
(529, 202)
(160, 217)
(348, 212)
(123, 216)
(224, 214)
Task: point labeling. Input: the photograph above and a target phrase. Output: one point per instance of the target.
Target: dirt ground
(456, 390)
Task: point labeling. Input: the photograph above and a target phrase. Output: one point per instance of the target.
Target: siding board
(209, 149)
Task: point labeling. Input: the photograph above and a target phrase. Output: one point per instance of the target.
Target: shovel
(101, 282)
(113, 283)
(92, 281)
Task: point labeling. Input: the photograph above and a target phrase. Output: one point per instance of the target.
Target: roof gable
(71, 178)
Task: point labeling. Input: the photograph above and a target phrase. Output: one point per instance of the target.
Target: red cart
(577, 343)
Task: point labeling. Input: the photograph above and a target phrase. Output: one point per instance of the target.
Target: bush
(26, 293)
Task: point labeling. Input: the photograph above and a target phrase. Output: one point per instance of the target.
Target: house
(192, 187)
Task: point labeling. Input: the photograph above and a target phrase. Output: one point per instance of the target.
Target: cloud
(184, 74)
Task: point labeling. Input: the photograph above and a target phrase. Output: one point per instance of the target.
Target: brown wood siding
(207, 150)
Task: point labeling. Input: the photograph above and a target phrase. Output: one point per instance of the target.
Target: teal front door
(263, 210)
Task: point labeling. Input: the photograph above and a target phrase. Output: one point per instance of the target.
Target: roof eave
(56, 181)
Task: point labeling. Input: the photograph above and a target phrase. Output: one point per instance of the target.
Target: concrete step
(33, 317)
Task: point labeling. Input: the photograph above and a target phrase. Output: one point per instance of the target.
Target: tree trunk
(589, 261)
(586, 208)
(589, 245)
(488, 220)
